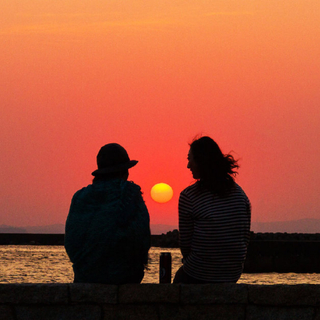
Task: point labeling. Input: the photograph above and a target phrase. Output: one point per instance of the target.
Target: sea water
(50, 264)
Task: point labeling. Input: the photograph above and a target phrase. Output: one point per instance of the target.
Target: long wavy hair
(216, 170)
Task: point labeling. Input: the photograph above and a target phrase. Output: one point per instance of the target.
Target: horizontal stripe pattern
(214, 233)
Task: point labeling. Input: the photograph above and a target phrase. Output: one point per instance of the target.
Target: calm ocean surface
(50, 264)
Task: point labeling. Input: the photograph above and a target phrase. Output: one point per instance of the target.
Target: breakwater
(168, 240)
(32, 239)
(266, 252)
(159, 302)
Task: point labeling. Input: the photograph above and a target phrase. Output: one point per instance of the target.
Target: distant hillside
(161, 228)
(53, 228)
(294, 226)
(9, 229)
(59, 228)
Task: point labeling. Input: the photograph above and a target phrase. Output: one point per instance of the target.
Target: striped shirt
(214, 233)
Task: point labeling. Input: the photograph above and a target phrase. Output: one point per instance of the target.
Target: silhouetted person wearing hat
(107, 230)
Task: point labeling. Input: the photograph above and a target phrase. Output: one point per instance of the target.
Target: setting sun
(161, 192)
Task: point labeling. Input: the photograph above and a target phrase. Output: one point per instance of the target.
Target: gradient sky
(151, 75)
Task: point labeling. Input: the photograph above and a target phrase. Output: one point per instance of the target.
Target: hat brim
(118, 167)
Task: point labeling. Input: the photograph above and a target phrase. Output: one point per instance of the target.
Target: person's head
(113, 162)
(210, 166)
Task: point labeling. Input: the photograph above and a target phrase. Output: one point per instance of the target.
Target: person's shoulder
(190, 189)
(239, 190)
(132, 186)
(81, 192)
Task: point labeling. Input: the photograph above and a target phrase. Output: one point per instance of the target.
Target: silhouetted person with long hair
(107, 230)
(214, 218)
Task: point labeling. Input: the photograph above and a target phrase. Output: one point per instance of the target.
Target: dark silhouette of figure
(214, 218)
(108, 230)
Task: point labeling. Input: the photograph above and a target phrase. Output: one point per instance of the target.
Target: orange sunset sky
(151, 75)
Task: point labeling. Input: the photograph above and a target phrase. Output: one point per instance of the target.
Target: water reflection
(50, 264)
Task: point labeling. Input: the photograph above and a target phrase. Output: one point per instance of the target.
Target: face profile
(193, 166)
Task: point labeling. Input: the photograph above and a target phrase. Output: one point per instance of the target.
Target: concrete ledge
(34, 294)
(159, 302)
(214, 294)
(261, 313)
(149, 293)
(79, 312)
(285, 295)
(95, 293)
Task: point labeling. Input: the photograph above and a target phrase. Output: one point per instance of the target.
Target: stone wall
(159, 302)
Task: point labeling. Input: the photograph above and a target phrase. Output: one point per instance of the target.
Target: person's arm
(185, 225)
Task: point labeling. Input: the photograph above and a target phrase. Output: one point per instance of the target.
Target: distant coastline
(167, 240)
(305, 226)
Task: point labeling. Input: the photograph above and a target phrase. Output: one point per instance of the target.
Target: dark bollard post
(165, 267)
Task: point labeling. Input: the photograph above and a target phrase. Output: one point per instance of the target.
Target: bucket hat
(113, 158)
